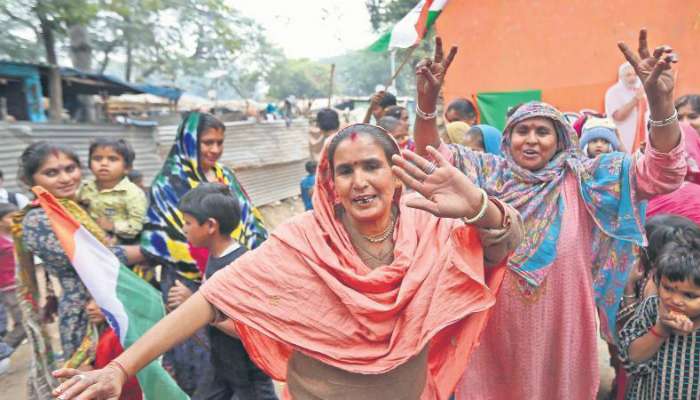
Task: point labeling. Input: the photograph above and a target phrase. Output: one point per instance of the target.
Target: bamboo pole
(330, 90)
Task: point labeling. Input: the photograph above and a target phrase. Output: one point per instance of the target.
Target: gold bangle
(482, 210)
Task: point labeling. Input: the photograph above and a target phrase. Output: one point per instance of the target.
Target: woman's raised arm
(430, 74)
(654, 70)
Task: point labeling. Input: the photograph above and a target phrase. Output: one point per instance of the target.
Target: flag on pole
(412, 27)
(129, 303)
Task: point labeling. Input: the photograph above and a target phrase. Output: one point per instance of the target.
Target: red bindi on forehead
(353, 136)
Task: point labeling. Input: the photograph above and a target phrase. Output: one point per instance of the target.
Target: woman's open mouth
(531, 154)
(364, 200)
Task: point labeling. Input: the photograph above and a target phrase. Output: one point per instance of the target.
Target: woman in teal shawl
(192, 160)
(584, 223)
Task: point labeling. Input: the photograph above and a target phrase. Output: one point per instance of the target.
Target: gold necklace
(384, 235)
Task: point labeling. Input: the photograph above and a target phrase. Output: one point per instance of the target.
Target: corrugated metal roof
(17, 137)
(268, 157)
(273, 182)
(252, 144)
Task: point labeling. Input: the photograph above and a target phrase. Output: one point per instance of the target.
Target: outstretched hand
(445, 190)
(100, 384)
(653, 69)
(430, 74)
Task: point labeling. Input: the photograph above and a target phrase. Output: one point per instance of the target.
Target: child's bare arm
(667, 323)
(647, 345)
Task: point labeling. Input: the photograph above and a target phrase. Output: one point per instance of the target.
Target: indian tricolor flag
(412, 27)
(130, 304)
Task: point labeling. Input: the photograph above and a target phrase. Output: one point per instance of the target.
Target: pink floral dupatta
(692, 147)
(306, 289)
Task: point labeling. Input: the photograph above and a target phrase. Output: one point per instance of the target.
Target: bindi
(353, 136)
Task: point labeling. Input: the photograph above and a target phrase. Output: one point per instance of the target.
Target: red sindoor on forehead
(353, 135)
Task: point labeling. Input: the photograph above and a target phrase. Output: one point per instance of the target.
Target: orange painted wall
(568, 49)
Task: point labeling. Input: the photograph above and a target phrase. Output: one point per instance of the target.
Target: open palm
(444, 190)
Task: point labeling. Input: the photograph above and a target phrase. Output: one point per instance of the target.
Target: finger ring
(430, 168)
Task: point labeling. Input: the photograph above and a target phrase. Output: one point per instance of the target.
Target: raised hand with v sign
(655, 72)
(430, 74)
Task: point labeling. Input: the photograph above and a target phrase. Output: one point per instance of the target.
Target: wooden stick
(330, 90)
(368, 114)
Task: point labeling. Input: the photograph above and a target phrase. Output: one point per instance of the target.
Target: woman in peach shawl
(365, 297)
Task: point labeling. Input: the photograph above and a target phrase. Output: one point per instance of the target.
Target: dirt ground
(13, 383)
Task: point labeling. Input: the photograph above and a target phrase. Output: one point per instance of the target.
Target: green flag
(493, 106)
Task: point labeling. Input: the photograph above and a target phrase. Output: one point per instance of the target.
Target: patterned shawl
(162, 237)
(41, 382)
(606, 186)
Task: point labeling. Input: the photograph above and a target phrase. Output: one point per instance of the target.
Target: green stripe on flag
(432, 16)
(144, 307)
(382, 44)
(493, 106)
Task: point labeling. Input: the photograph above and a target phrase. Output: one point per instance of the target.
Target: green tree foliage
(299, 77)
(385, 13)
(357, 73)
(155, 40)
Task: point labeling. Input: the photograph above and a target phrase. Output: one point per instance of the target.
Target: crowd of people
(433, 262)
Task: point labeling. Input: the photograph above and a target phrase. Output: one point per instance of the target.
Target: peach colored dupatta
(306, 289)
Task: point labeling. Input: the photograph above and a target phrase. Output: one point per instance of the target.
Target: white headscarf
(621, 77)
(617, 96)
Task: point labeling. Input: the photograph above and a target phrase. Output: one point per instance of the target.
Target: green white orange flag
(411, 28)
(130, 305)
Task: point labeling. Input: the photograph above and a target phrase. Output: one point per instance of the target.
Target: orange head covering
(306, 289)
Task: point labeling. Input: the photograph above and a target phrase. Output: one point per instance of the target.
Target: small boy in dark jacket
(211, 212)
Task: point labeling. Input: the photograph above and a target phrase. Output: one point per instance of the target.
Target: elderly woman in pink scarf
(626, 104)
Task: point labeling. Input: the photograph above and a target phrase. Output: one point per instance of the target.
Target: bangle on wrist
(657, 334)
(424, 115)
(115, 364)
(665, 122)
(482, 210)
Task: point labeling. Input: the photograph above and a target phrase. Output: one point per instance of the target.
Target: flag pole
(368, 114)
(392, 64)
(398, 70)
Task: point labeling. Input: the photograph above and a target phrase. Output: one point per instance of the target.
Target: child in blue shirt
(307, 184)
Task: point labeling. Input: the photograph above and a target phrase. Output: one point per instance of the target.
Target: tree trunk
(55, 85)
(81, 55)
(129, 59)
(129, 48)
(55, 94)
